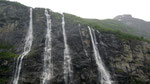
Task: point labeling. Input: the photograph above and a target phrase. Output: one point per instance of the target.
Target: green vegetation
(108, 23)
(12, 3)
(7, 55)
(3, 80)
(115, 27)
(33, 52)
(5, 69)
(55, 15)
(119, 70)
(138, 82)
(123, 35)
(5, 46)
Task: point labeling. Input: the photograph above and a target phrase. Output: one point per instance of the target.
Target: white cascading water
(105, 77)
(48, 66)
(67, 59)
(27, 48)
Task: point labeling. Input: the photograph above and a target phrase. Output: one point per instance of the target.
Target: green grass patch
(7, 55)
(123, 35)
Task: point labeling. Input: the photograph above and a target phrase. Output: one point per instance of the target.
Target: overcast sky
(99, 9)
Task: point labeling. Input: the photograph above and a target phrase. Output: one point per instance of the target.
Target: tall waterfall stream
(27, 48)
(105, 77)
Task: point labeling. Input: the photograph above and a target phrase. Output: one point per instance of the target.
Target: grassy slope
(121, 30)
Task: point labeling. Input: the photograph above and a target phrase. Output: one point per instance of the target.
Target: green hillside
(109, 25)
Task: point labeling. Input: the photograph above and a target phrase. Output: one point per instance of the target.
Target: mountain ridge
(113, 24)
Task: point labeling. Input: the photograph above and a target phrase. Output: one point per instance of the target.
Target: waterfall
(67, 59)
(48, 66)
(27, 48)
(105, 77)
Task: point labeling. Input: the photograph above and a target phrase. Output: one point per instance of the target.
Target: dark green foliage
(3, 80)
(4, 69)
(6, 60)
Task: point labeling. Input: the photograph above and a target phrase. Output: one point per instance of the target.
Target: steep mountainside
(123, 23)
(141, 27)
(125, 57)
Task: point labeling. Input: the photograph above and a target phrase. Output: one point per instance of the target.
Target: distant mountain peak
(125, 16)
(140, 26)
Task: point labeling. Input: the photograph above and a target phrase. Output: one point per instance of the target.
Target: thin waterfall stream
(67, 59)
(27, 48)
(105, 77)
(48, 66)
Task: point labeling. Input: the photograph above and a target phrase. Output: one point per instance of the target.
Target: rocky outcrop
(126, 60)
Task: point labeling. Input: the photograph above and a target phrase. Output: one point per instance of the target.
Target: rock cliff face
(127, 61)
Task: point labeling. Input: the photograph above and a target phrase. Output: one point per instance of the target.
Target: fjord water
(67, 59)
(27, 48)
(105, 77)
(48, 66)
